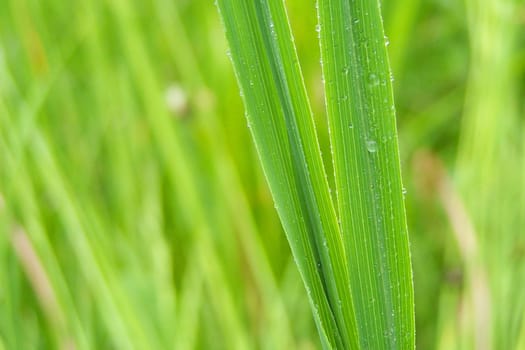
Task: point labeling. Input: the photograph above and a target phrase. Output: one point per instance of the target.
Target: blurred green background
(134, 213)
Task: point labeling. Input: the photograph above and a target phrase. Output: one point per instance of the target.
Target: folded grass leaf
(281, 122)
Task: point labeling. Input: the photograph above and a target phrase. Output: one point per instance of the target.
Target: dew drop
(373, 80)
(318, 28)
(371, 146)
(346, 70)
(387, 41)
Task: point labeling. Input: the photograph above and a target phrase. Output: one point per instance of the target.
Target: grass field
(134, 213)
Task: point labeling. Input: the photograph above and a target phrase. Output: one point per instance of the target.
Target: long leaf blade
(281, 123)
(365, 153)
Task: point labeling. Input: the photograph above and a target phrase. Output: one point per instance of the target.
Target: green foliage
(134, 212)
(357, 273)
(361, 114)
(279, 117)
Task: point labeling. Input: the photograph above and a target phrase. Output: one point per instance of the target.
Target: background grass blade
(281, 123)
(363, 136)
(490, 148)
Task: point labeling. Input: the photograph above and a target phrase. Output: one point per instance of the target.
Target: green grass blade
(281, 123)
(363, 136)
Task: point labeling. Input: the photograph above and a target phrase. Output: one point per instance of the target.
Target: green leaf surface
(363, 136)
(356, 267)
(281, 122)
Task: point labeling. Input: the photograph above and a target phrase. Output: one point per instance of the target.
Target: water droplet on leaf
(373, 80)
(371, 146)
